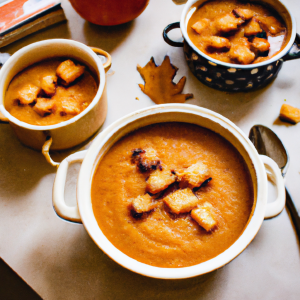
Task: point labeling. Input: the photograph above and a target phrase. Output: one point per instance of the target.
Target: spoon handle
(293, 212)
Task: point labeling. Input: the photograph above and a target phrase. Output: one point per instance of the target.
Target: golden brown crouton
(240, 51)
(181, 201)
(204, 216)
(216, 42)
(145, 159)
(201, 25)
(227, 23)
(28, 93)
(260, 45)
(245, 14)
(69, 106)
(289, 113)
(271, 24)
(68, 71)
(44, 106)
(159, 180)
(48, 84)
(144, 203)
(252, 28)
(193, 176)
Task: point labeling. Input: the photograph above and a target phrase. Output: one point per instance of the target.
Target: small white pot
(76, 130)
(257, 164)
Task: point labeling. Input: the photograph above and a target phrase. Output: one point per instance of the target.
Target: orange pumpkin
(109, 12)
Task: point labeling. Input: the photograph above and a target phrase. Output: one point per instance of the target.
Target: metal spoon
(268, 143)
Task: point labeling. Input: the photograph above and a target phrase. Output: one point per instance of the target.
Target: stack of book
(19, 18)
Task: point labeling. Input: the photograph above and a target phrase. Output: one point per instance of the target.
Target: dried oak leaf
(159, 85)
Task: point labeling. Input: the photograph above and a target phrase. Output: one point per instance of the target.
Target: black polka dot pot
(227, 78)
(232, 77)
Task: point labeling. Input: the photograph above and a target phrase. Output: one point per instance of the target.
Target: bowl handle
(99, 51)
(294, 52)
(46, 150)
(274, 208)
(69, 213)
(167, 39)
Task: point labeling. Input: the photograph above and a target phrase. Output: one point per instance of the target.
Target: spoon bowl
(268, 143)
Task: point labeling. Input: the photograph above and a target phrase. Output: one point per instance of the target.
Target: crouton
(144, 203)
(260, 59)
(48, 84)
(227, 23)
(69, 106)
(68, 71)
(181, 201)
(145, 159)
(28, 94)
(260, 45)
(217, 42)
(159, 180)
(241, 52)
(201, 25)
(193, 176)
(204, 216)
(44, 106)
(245, 14)
(289, 113)
(271, 24)
(252, 28)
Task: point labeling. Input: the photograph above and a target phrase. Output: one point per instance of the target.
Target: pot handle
(107, 64)
(294, 52)
(274, 174)
(46, 150)
(166, 37)
(69, 213)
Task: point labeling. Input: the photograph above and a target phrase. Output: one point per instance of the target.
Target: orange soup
(50, 92)
(237, 32)
(172, 195)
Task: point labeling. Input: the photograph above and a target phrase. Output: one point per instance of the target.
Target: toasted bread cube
(48, 84)
(240, 50)
(181, 201)
(217, 42)
(69, 106)
(271, 24)
(144, 203)
(28, 93)
(260, 59)
(260, 45)
(252, 28)
(68, 71)
(227, 23)
(194, 175)
(159, 180)
(44, 106)
(289, 113)
(204, 216)
(245, 14)
(201, 25)
(145, 159)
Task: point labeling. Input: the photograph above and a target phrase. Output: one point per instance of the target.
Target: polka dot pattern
(230, 79)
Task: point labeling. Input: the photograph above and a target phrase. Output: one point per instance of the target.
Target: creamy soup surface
(237, 32)
(161, 238)
(64, 99)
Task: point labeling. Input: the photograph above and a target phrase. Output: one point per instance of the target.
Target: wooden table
(60, 261)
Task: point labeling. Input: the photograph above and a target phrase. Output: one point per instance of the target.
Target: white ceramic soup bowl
(76, 130)
(258, 166)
